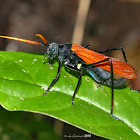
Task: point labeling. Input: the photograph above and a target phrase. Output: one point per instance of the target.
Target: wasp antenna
(20, 39)
(42, 37)
(43, 44)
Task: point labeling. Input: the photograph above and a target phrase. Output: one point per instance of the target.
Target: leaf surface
(24, 78)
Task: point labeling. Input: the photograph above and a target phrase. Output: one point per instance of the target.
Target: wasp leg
(79, 80)
(55, 79)
(111, 84)
(86, 46)
(114, 49)
(78, 83)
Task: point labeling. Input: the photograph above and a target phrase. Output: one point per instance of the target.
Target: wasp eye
(52, 50)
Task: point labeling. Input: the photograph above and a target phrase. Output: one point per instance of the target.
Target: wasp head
(52, 50)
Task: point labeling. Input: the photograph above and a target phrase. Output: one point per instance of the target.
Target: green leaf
(24, 78)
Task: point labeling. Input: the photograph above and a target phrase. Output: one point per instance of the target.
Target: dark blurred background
(108, 24)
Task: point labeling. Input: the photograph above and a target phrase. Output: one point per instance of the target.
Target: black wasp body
(78, 58)
(73, 62)
(64, 54)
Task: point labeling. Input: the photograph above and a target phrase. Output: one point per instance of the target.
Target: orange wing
(119, 67)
